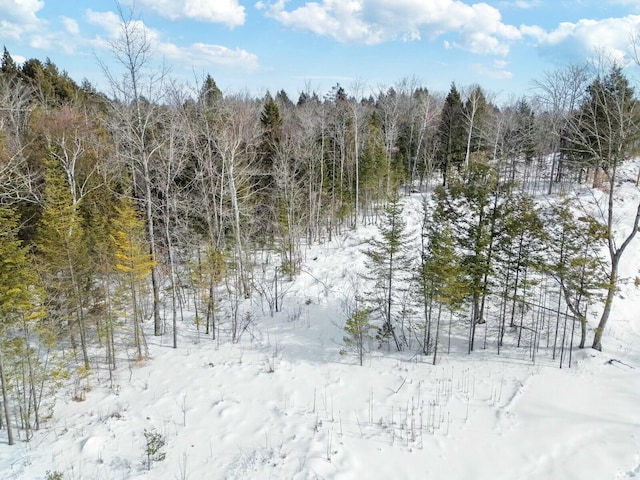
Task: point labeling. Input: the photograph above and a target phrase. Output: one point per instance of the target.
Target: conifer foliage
(21, 368)
(388, 267)
(134, 262)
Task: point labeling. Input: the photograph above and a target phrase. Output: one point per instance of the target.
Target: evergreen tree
(441, 277)
(476, 113)
(63, 260)
(474, 205)
(451, 134)
(18, 309)
(134, 262)
(517, 253)
(389, 267)
(373, 172)
(209, 94)
(265, 182)
(7, 64)
(357, 331)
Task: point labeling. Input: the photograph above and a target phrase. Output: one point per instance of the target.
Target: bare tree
(475, 108)
(559, 94)
(235, 142)
(135, 114)
(17, 178)
(604, 133)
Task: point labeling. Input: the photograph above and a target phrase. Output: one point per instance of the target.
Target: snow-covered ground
(283, 403)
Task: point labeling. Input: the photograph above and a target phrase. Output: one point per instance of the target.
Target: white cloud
(627, 3)
(203, 54)
(21, 22)
(196, 54)
(11, 30)
(610, 35)
(479, 25)
(227, 12)
(70, 25)
(24, 11)
(498, 70)
(19, 17)
(526, 4)
(108, 21)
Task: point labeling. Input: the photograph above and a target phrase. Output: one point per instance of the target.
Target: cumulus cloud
(108, 21)
(19, 17)
(25, 11)
(227, 12)
(479, 25)
(583, 38)
(196, 54)
(20, 21)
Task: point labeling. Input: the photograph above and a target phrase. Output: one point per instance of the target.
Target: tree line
(122, 207)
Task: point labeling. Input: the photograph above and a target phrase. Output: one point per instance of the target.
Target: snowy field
(283, 403)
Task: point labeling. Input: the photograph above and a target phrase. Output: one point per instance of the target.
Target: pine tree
(389, 266)
(18, 307)
(357, 331)
(62, 254)
(451, 134)
(517, 253)
(441, 276)
(474, 204)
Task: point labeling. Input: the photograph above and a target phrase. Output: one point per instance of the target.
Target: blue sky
(260, 45)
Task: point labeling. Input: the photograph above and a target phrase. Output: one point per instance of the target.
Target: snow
(283, 403)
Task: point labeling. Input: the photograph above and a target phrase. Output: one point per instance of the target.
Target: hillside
(284, 403)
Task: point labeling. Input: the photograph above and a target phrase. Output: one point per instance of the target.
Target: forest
(121, 210)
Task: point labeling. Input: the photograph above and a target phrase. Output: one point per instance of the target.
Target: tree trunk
(5, 401)
(615, 256)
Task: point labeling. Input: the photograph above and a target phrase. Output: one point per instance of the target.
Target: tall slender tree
(451, 134)
(388, 266)
(62, 252)
(134, 262)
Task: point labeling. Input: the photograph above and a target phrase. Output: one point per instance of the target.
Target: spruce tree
(373, 172)
(474, 204)
(388, 266)
(209, 94)
(441, 275)
(451, 134)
